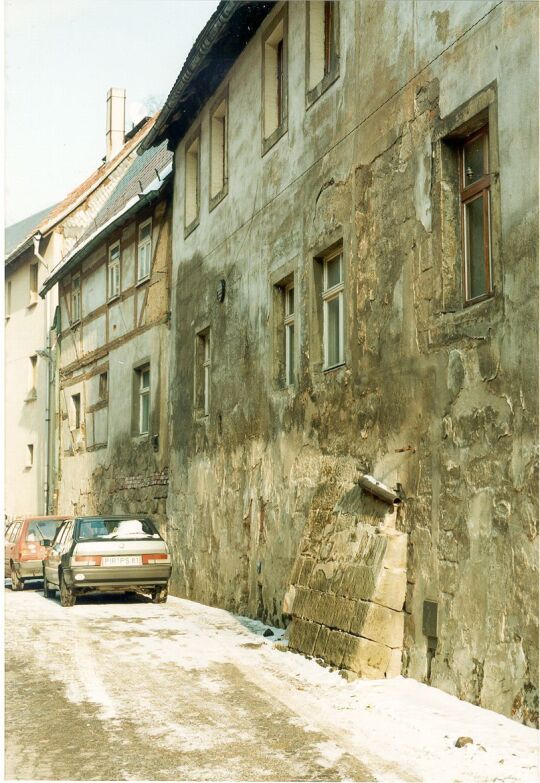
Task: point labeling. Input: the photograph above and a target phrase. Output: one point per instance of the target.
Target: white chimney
(116, 119)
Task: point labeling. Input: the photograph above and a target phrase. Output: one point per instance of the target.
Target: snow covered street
(117, 688)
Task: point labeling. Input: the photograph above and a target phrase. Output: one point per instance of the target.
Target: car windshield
(44, 529)
(116, 528)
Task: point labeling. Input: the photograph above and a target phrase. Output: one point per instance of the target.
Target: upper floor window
(218, 152)
(113, 273)
(333, 320)
(7, 311)
(143, 378)
(144, 252)
(202, 373)
(75, 299)
(288, 323)
(475, 184)
(33, 290)
(275, 81)
(32, 378)
(103, 388)
(192, 185)
(76, 411)
(322, 45)
(29, 455)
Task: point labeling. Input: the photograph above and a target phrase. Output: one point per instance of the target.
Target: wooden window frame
(75, 299)
(192, 225)
(111, 264)
(289, 319)
(143, 393)
(279, 76)
(329, 294)
(330, 44)
(215, 198)
(481, 188)
(144, 243)
(203, 364)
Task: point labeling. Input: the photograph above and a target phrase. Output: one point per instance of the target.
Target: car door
(7, 538)
(53, 559)
(11, 543)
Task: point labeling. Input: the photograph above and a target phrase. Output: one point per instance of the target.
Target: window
(76, 299)
(76, 411)
(333, 310)
(145, 250)
(275, 81)
(202, 373)
(288, 322)
(33, 283)
(114, 271)
(143, 383)
(32, 378)
(192, 195)
(322, 49)
(103, 386)
(475, 183)
(29, 455)
(218, 152)
(8, 299)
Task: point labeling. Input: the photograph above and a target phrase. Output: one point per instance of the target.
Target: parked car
(25, 547)
(107, 553)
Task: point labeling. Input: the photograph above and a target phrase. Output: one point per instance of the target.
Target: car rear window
(116, 528)
(43, 529)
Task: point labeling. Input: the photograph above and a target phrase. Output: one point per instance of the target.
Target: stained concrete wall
(106, 467)
(433, 395)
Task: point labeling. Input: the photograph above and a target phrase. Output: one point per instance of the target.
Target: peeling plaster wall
(440, 398)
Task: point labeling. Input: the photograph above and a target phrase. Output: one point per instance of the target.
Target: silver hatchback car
(107, 553)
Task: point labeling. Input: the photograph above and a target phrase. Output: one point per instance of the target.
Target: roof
(143, 182)
(77, 196)
(15, 234)
(219, 44)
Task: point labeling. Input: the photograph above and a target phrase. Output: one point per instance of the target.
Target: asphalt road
(117, 688)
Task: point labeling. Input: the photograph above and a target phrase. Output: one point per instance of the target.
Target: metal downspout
(48, 358)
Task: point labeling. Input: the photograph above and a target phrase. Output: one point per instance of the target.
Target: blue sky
(61, 56)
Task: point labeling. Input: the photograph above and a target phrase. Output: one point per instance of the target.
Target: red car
(24, 550)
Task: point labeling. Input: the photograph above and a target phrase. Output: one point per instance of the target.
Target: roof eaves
(201, 55)
(156, 187)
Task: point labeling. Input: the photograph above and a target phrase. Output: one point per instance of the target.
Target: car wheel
(47, 590)
(159, 594)
(67, 597)
(16, 582)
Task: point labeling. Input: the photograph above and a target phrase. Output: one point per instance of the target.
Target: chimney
(116, 118)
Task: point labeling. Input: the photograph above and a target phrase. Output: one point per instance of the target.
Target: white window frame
(329, 294)
(76, 298)
(29, 455)
(144, 245)
(113, 272)
(289, 324)
(144, 393)
(33, 283)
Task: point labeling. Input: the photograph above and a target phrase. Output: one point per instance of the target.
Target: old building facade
(35, 249)
(354, 247)
(113, 350)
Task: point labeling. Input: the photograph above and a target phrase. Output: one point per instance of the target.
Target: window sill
(142, 281)
(31, 397)
(113, 299)
(313, 95)
(31, 304)
(274, 137)
(74, 324)
(333, 367)
(191, 228)
(218, 198)
(479, 300)
(140, 437)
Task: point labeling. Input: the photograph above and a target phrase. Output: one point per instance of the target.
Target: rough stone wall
(435, 396)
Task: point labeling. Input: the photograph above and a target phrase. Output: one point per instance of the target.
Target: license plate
(122, 560)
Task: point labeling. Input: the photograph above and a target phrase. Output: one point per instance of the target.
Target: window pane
(144, 231)
(333, 272)
(474, 160)
(290, 353)
(476, 260)
(289, 301)
(333, 331)
(145, 405)
(145, 379)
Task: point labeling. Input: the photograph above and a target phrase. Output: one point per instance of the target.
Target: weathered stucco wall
(106, 467)
(435, 396)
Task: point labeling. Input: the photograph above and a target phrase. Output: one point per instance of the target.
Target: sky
(61, 57)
